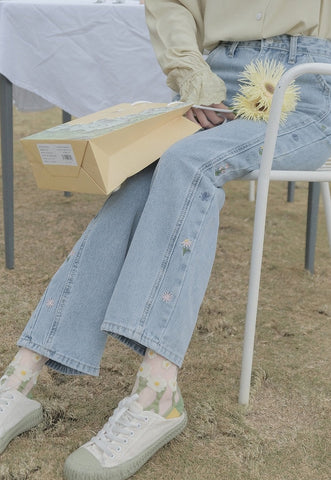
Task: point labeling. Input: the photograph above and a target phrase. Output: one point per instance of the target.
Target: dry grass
(282, 435)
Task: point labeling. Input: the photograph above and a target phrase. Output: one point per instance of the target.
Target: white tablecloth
(79, 55)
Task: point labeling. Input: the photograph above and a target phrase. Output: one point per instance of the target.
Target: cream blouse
(181, 30)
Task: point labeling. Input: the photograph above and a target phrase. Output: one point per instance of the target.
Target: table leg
(6, 107)
(312, 219)
(66, 117)
(290, 191)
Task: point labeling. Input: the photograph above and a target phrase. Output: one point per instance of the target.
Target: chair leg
(327, 208)
(312, 220)
(251, 195)
(253, 289)
(290, 191)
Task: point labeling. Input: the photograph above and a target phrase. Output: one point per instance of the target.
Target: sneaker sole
(29, 421)
(125, 470)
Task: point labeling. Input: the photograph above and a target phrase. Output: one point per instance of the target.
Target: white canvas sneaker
(17, 415)
(129, 438)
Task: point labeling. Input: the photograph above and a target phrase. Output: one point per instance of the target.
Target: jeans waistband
(292, 44)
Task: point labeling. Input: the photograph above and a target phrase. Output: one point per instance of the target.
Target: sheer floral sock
(22, 373)
(156, 384)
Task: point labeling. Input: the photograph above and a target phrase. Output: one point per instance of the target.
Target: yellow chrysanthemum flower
(258, 83)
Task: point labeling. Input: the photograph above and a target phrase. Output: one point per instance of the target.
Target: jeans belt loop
(293, 50)
(232, 49)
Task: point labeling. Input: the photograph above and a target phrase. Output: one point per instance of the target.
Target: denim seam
(66, 290)
(171, 245)
(301, 147)
(289, 152)
(36, 313)
(219, 159)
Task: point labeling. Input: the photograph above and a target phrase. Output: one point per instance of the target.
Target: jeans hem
(59, 362)
(140, 341)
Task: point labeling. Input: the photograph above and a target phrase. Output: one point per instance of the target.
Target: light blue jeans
(140, 270)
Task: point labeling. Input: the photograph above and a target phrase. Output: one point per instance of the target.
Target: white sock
(22, 373)
(156, 384)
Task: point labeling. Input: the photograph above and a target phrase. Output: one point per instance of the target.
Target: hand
(209, 118)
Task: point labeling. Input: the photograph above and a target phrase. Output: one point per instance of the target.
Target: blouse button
(258, 16)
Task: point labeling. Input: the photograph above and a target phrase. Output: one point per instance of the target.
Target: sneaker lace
(5, 397)
(121, 426)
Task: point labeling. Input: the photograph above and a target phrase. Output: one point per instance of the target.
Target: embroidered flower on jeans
(186, 244)
(50, 303)
(204, 196)
(167, 297)
(221, 169)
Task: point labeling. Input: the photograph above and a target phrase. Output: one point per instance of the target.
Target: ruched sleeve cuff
(201, 87)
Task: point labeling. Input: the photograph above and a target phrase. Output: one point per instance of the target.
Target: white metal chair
(264, 175)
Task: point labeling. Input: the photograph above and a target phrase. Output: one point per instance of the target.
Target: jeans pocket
(315, 97)
(323, 80)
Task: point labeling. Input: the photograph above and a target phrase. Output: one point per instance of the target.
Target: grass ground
(282, 435)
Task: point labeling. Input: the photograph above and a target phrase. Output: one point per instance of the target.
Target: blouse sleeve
(176, 35)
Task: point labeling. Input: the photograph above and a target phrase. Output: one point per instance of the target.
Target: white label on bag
(57, 154)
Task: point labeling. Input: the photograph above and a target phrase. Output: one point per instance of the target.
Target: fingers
(204, 118)
(221, 106)
(208, 118)
(190, 115)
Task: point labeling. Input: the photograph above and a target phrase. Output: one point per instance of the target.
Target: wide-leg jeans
(140, 270)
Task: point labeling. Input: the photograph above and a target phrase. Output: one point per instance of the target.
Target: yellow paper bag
(96, 153)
